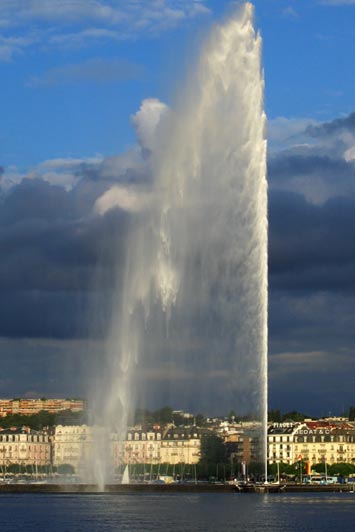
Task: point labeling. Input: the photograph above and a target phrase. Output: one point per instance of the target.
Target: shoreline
(171, 488)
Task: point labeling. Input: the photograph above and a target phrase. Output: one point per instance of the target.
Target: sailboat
(125, 476)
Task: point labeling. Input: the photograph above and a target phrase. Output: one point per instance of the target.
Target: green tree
(294, 416)
(232, 416)
(342, 469)
(285, 469)
(213, 450)
(200, 420)
(65, 469)
(35, 421)
(274, 416)
(320, 468)
(164, 415)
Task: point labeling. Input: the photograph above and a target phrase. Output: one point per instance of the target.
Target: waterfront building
(159, 446)
(24, 447)
(281, 442)
(72, 444)
(311, 441)
(318, 442)
(181, 446)
(142, 445)
(242, 440)
(75, 445)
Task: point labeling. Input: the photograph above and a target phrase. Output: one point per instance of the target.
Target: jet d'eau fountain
(190, 320)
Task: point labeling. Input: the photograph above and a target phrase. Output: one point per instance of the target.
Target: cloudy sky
(82, 85)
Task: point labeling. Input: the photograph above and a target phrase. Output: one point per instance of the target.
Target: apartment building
(280, 442)
(318, 442)
(72, 444)
(25, 447)
(313, 441)
(181, 445)
(141, 446)
(76, 445)
(34, 406)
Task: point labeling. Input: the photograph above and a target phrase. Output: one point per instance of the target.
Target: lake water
(178, 512)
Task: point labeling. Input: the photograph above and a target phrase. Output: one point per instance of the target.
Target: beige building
(318, 442)
(24, 447)
(181, 446)
(29, 407)
(312, 441)
(72, 444)
(169, 446)
(75, 445)
(280, 442)
(140, 447)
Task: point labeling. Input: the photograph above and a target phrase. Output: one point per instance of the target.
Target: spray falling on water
(194, 298)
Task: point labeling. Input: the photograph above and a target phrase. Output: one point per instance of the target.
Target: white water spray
(194, 303)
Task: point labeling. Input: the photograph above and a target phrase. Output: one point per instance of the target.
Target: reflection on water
(178, 513)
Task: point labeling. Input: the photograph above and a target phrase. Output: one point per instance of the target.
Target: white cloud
(11, 46)
(69, 163)
(147, 120)
(92, 71)
(337, 2)
(67, 172)
(284, 132)
(127, 198)
(85, 37)
(61, 172)
(312, 158)
(58, 10)
(290, 12)
(95, 20)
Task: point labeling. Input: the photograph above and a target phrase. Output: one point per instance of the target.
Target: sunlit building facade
(29, 407)
(24, 447)
(311, 441)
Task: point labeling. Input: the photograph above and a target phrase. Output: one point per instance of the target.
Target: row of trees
(21, 469)
(341, 469)
(143, 416)
(278, 417)
(44, 419)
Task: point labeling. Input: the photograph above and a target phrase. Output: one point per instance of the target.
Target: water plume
(192, 312)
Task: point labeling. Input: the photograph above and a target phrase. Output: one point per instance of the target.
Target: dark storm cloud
(49, 259)
(286, 165)
(109, 170)
(36, 199)
(335, 126)
(312, 215)
(311, 246)
(311, 349)
(311, 271)
(60, 261)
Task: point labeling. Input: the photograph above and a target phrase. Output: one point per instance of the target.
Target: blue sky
(74, 73)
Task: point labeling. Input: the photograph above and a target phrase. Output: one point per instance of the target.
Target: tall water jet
(193, 306)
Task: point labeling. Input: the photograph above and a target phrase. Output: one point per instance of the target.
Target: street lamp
(326, 469)
(299, 458)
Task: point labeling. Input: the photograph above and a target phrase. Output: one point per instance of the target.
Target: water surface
(178, 512)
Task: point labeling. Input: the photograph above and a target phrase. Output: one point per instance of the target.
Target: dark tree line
(44, 419)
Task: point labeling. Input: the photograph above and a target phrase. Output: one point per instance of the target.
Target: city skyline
(74, 126)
